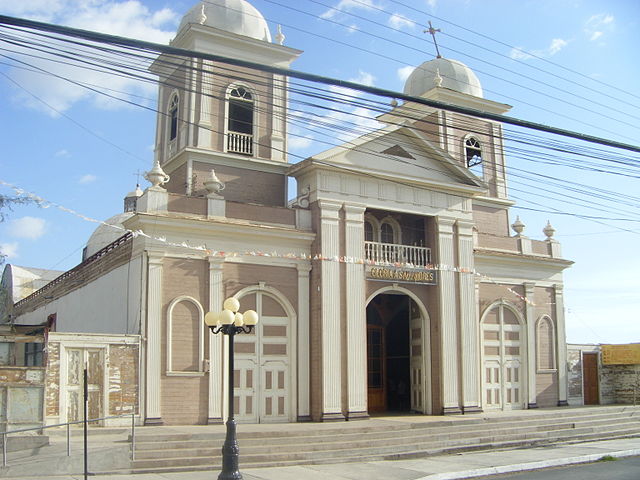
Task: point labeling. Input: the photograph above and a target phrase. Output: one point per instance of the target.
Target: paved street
(620, 469)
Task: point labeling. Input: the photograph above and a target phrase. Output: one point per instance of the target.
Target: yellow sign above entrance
(426, 277)
(621, 354)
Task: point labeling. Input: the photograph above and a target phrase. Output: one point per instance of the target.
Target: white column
(154, 334)
(561, 346)
(532, 364)
(215, 342)
(356, 366)
(206, 98)
(330, 320)
(449, 328)
(304, 405)
(279, 93)
(469, 326)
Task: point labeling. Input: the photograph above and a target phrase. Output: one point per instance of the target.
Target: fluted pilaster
(469, 328)
(561, 346)
(448, 309)
(529, 313)
(215, 343)
(153, 415)
(330, 292)
(356, 313)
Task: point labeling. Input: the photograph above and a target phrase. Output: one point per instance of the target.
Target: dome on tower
(443, 72)
(235, 16)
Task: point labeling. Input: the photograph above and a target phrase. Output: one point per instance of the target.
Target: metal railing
(5, 435)
(393, 253)
(240, 143)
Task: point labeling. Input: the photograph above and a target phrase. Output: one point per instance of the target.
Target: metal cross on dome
(433, 32)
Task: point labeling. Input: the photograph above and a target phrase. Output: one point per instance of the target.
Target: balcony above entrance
(379, 252)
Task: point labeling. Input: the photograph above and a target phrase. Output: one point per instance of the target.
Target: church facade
(390, 283)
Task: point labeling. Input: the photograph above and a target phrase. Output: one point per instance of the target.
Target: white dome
(104, 234)
(455, 75)
(235, 16)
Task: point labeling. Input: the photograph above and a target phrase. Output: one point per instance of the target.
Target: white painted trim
(169, 345)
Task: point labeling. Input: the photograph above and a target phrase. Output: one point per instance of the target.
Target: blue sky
(575, 65)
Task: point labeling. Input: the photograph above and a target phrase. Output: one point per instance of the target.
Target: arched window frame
(250, 148)
(472, 147)
(201, 327)
(545, 319)
(375, 227)
(173, 116)
(395, 227)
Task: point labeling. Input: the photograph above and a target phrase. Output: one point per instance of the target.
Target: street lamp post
(231, 322)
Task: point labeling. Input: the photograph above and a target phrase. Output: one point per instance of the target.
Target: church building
(389, 283)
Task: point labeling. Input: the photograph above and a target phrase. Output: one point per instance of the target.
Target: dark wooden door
(590, 378)
(376, 359)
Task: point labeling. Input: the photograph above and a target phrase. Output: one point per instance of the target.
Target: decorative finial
(280, 36)
(214, 184)
(203, 17)
(394, 102)
(518, 227)
(549, 231)
(433, 32)
(437, 80)
(156, 176)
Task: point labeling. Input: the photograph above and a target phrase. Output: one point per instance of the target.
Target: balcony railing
(392, 253)
(240, 143)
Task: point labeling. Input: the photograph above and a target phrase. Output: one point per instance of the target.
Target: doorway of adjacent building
(591, 387)
(77, 360)
(394, 355)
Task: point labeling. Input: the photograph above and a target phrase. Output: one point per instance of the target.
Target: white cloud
(62, 153)
(399, 21)
(27, 227)
(432, 3)
(348, 5)
(556, 44)
(130, 18)
(597, 25)
(300, 143)
(9, 250)
(404, 72)
(88, 178)
(365, 78)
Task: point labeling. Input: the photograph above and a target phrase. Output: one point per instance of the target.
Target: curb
(522, 467)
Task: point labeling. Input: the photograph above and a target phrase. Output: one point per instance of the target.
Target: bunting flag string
(43, 203)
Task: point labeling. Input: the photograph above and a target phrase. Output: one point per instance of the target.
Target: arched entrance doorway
(398, 379)
(503, 355)
(263, 372)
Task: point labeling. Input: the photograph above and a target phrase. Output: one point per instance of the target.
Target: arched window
(173, 117)
(240, 121)
(473, 152)
(368, 231)
(545, 344)
(386, 233)
(185, 337)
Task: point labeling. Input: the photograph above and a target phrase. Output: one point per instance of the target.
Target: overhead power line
(169, 50)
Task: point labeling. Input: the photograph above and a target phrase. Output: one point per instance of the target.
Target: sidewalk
(445, 467)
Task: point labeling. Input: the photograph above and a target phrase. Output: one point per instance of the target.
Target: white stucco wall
(109, 304)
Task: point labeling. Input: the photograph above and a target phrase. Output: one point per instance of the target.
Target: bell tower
(213, 115)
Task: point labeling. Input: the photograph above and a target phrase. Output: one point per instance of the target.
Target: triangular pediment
(398, 151)
(404, 155)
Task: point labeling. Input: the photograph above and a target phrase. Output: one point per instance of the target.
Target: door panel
(590, 378)
(376, 359)
(417, 385)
